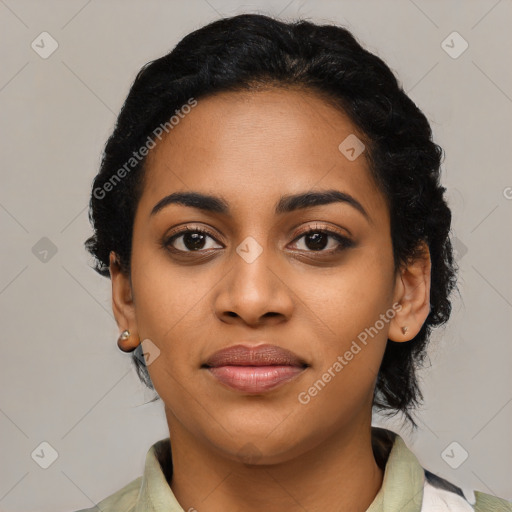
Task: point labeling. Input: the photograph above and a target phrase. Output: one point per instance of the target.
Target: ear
(122, 304)
(412, 292)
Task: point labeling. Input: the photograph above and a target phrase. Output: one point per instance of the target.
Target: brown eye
(323, 241)
(316, 241)
(190, 240)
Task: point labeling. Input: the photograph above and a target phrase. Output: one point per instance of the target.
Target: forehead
(253, 147)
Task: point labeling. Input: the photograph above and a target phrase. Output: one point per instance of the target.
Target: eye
(323, 240)
(190, 240)
(196, 239)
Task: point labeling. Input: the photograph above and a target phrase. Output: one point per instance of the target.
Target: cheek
(164, 292)
(351, 297)
(348, 354)
(352, 311)
(169, 306)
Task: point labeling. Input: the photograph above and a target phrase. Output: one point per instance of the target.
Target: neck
(340, 474)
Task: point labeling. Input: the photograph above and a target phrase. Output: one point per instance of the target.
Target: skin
(251, 148)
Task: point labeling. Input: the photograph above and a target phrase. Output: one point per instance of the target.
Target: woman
(269, 211)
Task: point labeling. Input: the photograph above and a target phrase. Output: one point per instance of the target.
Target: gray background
(62, 377)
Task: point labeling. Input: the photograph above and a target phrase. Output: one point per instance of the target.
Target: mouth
(254, 369)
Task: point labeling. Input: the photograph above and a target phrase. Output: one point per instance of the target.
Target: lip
(254, 369)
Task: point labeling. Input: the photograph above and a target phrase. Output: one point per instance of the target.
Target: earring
(405, 329)
(123, 337)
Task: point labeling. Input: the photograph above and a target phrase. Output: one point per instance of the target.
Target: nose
(254, 293)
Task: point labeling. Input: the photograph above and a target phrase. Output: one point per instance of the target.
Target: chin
(261, 444)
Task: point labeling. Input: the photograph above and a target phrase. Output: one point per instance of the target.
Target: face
(256, 268)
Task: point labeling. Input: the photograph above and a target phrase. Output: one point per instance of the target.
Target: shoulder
(123, 500)
(440, 495)
(406, 480)
(487, 502)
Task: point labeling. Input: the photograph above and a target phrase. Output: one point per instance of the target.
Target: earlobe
(412, 292)
(123, 306)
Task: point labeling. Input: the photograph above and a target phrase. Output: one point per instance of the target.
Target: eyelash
(344, 242)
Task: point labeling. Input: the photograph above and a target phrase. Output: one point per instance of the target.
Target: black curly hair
(252, 51)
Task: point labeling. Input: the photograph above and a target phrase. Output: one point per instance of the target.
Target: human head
(255, 52)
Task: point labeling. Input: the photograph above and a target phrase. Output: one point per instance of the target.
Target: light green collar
(402, 487)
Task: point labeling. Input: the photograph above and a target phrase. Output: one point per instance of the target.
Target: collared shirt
(406, 487)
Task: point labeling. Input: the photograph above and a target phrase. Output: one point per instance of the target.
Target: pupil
(193, 240)
(319, 241)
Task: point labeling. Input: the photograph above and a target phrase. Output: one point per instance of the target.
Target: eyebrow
(286, 204)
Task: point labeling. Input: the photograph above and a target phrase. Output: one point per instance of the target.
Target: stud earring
(123, 337)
